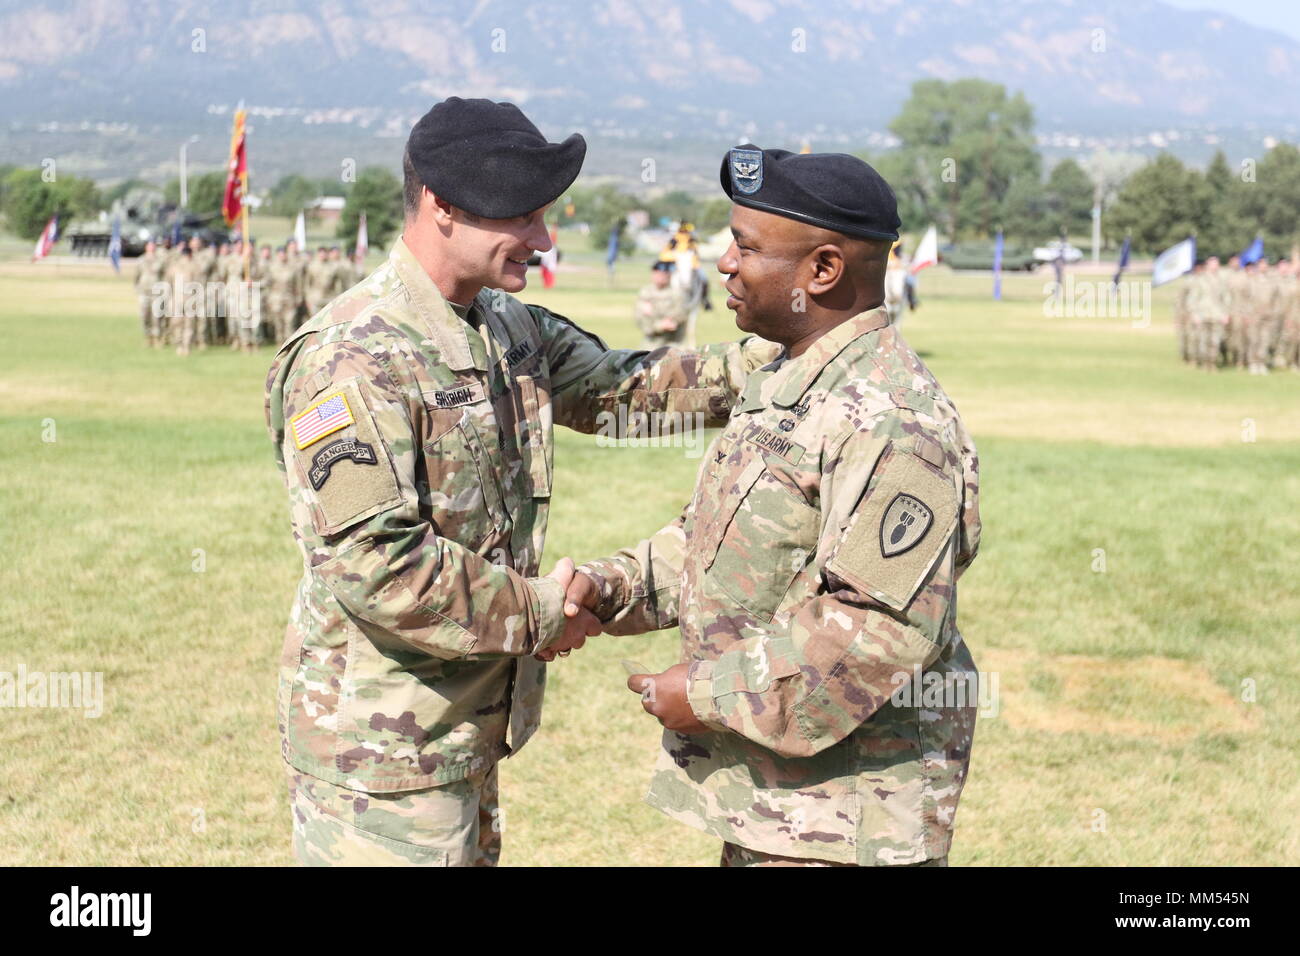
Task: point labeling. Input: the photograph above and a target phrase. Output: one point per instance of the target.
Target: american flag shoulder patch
(324, 418)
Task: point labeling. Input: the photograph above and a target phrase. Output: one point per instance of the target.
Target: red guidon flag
(237, 174)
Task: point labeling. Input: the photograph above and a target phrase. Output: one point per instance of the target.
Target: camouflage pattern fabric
(149, 272)
(417, 451)
(812, 575)
(735, 855)
(653, 305)
(455, 825)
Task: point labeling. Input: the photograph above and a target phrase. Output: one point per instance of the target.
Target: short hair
(411, 185)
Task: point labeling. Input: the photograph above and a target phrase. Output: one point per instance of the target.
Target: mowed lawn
(1135, 596)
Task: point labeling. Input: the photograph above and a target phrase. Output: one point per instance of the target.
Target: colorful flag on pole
(997, 266)
(300, 232)
(48, 237)
(1123, 260)
(927, 253)
(115, 245)
(236, 174)
(1174, 261)
(363, 240)
(1253, 252)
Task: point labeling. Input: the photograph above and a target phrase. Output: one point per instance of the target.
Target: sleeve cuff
(611, 581)
(548, 594)
(699, 694)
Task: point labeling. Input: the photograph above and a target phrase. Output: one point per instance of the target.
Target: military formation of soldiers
(194, 294)
(1242, 316)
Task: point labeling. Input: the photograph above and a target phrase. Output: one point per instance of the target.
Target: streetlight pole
(185, 192)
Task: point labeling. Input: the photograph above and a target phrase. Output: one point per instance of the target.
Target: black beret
(832, 190)
(489, 159)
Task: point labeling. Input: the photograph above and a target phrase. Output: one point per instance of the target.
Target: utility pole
(185, 191)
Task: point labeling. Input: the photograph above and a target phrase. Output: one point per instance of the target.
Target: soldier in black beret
(812, 237)
(817, 558)
(412, 421)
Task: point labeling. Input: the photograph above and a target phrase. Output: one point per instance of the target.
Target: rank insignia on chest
(325, 417)
(906, 521)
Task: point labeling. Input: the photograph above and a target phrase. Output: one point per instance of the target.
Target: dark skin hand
(664, 696)
(579, 624)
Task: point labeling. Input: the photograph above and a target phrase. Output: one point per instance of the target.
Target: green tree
(1162, 203)
(30, 201)
(1226, 232)
(1025, 218)
(1069, 198)
(601, 206)
(292, 193)
(206, 192)
(963, 144)
(1270, 206)
(379, 193)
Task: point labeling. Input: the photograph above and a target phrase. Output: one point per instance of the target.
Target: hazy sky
(1280, 15)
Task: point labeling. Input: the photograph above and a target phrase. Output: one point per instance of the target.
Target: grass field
(149, 541)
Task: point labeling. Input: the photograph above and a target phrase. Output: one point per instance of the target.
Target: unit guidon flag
(324, 418)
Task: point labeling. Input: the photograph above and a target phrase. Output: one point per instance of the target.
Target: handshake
(663, 695)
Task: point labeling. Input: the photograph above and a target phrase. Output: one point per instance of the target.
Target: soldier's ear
(826, 264)
(439, 209)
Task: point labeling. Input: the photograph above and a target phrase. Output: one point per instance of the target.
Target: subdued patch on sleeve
(900, 529)
(349, 470)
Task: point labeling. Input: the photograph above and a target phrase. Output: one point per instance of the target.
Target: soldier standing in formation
(813, 574)
(318, 281)
(150, 286)
(1246, 316)
(661, 309)
(411, 419)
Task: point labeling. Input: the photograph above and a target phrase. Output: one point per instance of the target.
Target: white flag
(927, 253)
(1173, 262)
(363, 241)
(300, 232)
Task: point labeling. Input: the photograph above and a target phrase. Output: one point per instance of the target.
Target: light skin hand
(579, 622)
(664, 696)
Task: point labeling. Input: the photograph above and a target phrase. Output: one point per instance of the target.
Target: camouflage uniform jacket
(665, 303)
(417, 453)
(149, 270)
(813, 575)
(1211, 297)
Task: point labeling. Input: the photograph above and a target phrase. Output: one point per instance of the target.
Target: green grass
(1120, 689)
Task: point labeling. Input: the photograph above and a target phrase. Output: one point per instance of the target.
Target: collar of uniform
(788, 385)
(449, 331)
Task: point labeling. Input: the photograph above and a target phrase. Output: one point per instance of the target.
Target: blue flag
(115, 245)
(997, 266)
(1123, 260)
(1253, 252)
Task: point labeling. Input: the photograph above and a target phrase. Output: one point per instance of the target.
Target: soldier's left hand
(664, 696)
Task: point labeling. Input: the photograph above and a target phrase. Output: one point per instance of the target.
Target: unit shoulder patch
(350, 477)
(900, 529)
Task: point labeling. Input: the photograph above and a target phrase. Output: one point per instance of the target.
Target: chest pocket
(458, 489)
(760, 538)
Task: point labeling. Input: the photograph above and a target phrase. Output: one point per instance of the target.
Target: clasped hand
(663, 695)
